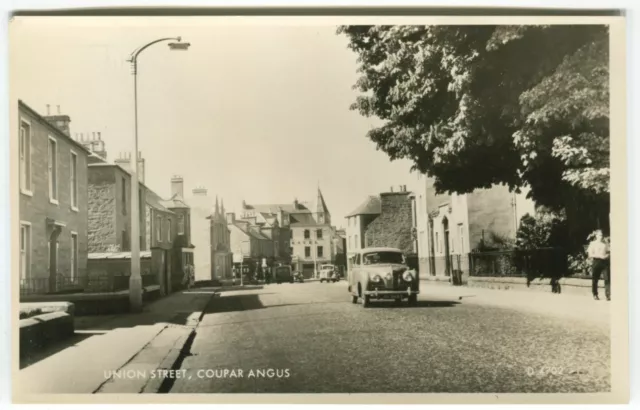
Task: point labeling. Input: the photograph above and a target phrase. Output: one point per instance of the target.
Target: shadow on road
(34, 357)
(376, 304)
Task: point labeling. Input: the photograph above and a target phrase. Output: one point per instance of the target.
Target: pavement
(310, 338)
(118, 353)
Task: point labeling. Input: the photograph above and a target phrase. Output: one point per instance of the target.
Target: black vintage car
(283, 274)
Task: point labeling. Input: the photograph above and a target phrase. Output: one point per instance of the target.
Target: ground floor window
(25, 251)
(74, 255)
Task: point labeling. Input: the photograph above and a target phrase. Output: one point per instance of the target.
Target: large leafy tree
(474, 106)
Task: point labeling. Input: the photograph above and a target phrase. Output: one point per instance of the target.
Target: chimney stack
(59, 121)
(177, 186)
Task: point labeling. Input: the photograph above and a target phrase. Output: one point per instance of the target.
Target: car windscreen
(282, 270)
(375, 258)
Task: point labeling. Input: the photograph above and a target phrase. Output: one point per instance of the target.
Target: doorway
(53, 247)
(447, 256)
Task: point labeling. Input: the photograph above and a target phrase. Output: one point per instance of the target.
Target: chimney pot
(99, 136)
(48, 109)
(58, 110)
(391, 189)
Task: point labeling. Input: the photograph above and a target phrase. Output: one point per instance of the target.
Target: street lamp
(135, 280)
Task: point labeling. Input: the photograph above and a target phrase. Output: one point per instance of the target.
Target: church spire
(217, 209)
(222, 207)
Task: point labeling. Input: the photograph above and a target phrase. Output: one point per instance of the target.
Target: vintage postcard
(319, 209)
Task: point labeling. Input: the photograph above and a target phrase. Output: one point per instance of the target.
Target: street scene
(212, 208)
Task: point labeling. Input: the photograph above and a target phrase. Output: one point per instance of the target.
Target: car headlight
(376, 278)
(407, 276)
(389, 276)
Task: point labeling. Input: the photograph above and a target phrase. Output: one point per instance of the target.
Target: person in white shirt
(598, 254)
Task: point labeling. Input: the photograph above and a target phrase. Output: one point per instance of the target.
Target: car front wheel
(354, 299)
(366, 301)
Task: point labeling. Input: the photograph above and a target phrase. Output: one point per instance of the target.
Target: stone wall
(102, 209)
(392, 228)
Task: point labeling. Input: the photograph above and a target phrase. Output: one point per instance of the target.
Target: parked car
(382, 273)
(283, 274)
(328, 274)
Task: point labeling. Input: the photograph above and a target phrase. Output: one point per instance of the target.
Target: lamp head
(179, 46)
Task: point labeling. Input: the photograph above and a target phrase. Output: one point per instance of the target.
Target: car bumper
(377, 293)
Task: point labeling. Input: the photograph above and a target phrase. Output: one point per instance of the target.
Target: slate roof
(371, 206)
(305, 219)
(175, 202)
(153, 200)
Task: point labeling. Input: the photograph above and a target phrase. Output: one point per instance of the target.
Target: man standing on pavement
(598, 253)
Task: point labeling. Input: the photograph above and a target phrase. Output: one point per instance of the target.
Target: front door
(447, 253)
(53, 259)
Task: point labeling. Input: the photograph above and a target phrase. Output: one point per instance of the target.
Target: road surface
(310, 338)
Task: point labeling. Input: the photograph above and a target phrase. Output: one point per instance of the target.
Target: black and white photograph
(308, 208)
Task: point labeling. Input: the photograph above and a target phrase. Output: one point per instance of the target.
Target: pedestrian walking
(598, 254)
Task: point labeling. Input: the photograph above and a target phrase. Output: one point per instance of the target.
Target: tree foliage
(474, 106)
(544, 230)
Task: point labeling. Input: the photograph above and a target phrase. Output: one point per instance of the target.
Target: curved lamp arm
(136, 52)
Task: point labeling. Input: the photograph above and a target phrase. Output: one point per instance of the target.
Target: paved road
(314, 340)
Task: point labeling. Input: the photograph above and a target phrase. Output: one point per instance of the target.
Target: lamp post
(135, 280)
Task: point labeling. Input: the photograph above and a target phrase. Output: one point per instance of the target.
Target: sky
(254, 112)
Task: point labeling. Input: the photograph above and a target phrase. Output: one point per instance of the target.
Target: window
(25, 251)
(307, 251)
(307, 234)
(376, 258)
(320, 252)
(25, 157)
(180, 224)
(52, 163)
(319, 233)
(159, 228)
(74, 255)
(291, 250)
(73, 169)
(169, 230)
(124, 196)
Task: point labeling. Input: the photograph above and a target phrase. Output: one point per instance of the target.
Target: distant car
(328, 273)
(297, 277)
(382, 273)
(283, 274)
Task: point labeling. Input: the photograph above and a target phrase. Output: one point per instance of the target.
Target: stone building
(449, 227)
(164, 224)
(52, 203)
(306, 237)
(250, 249)
(220, 244)
(393, 227)
(357, 222)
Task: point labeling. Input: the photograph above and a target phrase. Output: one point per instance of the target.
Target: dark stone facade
(392, 228)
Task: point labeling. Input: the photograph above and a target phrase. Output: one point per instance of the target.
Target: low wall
(567, 285)
(86, 304)
(38, 332)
